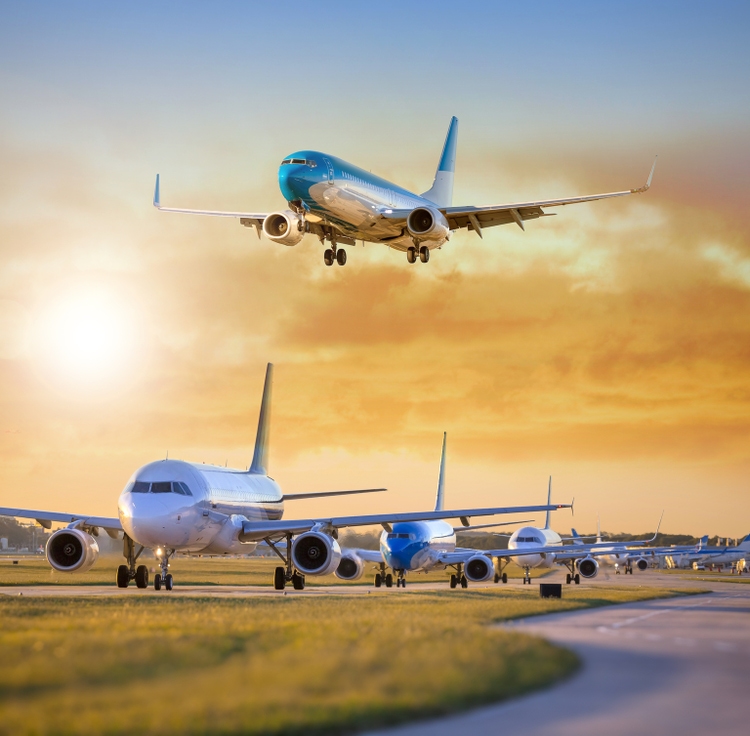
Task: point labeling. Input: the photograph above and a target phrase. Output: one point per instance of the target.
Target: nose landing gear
(164, 578)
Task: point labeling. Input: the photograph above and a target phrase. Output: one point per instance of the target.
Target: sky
(607, 347)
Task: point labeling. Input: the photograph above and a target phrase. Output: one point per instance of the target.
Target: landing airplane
(421, 546)
(176, 506)
(342, 203)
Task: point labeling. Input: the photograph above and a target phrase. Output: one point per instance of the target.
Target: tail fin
(442, 188)
(598, 530)
(259, 465)
(745, 543)
(440, 497)
(703, 541)
(576, 537)
(547, 521)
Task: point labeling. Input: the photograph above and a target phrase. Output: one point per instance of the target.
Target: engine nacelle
(479, 569)
(286, 227)
(642, 563)
(588, 567)
(315, 553)
(425, 223)
(71, 550)
(351, 567)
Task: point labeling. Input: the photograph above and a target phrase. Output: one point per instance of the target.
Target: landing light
(158, 552)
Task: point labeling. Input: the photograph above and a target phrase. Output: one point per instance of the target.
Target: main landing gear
(570, 578)
(499, 571)
(334, 254)
(287, 573)
(459, 578)
(126, 573)
(412, 252)
(164, 578)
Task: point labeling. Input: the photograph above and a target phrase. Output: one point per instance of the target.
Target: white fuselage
(155, 509)
(530, 536)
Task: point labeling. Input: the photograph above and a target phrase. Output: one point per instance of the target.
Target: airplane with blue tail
(341, 203)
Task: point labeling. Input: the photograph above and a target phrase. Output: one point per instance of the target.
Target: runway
(672, 666)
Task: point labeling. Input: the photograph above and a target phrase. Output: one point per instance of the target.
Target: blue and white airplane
(424, 545)
(341, 203)
(176, 506)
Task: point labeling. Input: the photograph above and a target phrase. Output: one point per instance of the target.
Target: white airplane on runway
(530, 547)
(342, 203)
(719, 555)
(177, 506)
(421, 546)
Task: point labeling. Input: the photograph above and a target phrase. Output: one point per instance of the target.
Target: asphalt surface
(673, 666)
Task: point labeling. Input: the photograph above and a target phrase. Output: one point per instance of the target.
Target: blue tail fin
(259, 465)
(745, 543)
(441, 192)
(440, 497)
(576, 537)
(547, 521)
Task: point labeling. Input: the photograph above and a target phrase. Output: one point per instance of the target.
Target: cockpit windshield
(400, 535)
(165, 486)
(301, 161)
(533, 540)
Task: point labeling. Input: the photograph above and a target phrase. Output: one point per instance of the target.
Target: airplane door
(329, 166)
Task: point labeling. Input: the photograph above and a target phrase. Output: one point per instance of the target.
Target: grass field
(280, 665)
(193, 571)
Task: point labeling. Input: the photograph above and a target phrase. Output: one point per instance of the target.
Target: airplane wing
(253, 218)
(477, 218)
(45, 518)
(324, 494)
(253, 530)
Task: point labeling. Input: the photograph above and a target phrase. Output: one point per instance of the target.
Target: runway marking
(650, 614)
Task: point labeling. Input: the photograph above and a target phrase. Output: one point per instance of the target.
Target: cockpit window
(301, 161)
(161, 487)
(533, 540)
(400, 535)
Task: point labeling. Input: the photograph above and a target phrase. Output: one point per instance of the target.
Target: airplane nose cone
(144, 518)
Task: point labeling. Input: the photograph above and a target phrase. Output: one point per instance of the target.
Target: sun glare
(86, 338)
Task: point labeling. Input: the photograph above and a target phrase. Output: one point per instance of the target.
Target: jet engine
(351, 567)
(71, 550)
(588, 567)
(286, 227)
(642, 563)
(315, 553)
(479, 569)
(425, 223)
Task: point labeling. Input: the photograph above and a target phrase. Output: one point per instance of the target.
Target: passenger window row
(161, 487)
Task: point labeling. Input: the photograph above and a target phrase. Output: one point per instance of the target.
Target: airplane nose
(144, 518)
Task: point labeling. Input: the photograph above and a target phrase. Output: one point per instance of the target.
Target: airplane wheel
(169, 582)
(298, 581)
(497, 578)
(403, 582)
(411, 254)
(578, 579)
(279, 578)
(378, 581)
(567, 579)
(328, 257)
(504, 577)
(341, 256)
(123, 576)
(464, 582)
(424, 254)
(389, 580)
(141, 576)
(454, 581)
(157, 581)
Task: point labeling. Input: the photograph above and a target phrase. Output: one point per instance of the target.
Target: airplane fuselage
(195, 508)
(415, 546)
(356, 202)
(531, 536)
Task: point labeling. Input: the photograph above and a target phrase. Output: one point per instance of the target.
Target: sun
(85, 338)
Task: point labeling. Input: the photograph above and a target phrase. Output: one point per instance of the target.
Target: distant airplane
(719, 555)
(171, 506)
(421, 546)
(341, 204)
(530, 547)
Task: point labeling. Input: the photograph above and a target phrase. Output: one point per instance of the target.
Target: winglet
(440, 496)
(259, 465)
(157, 201)
(658, 526)
(647, 186)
